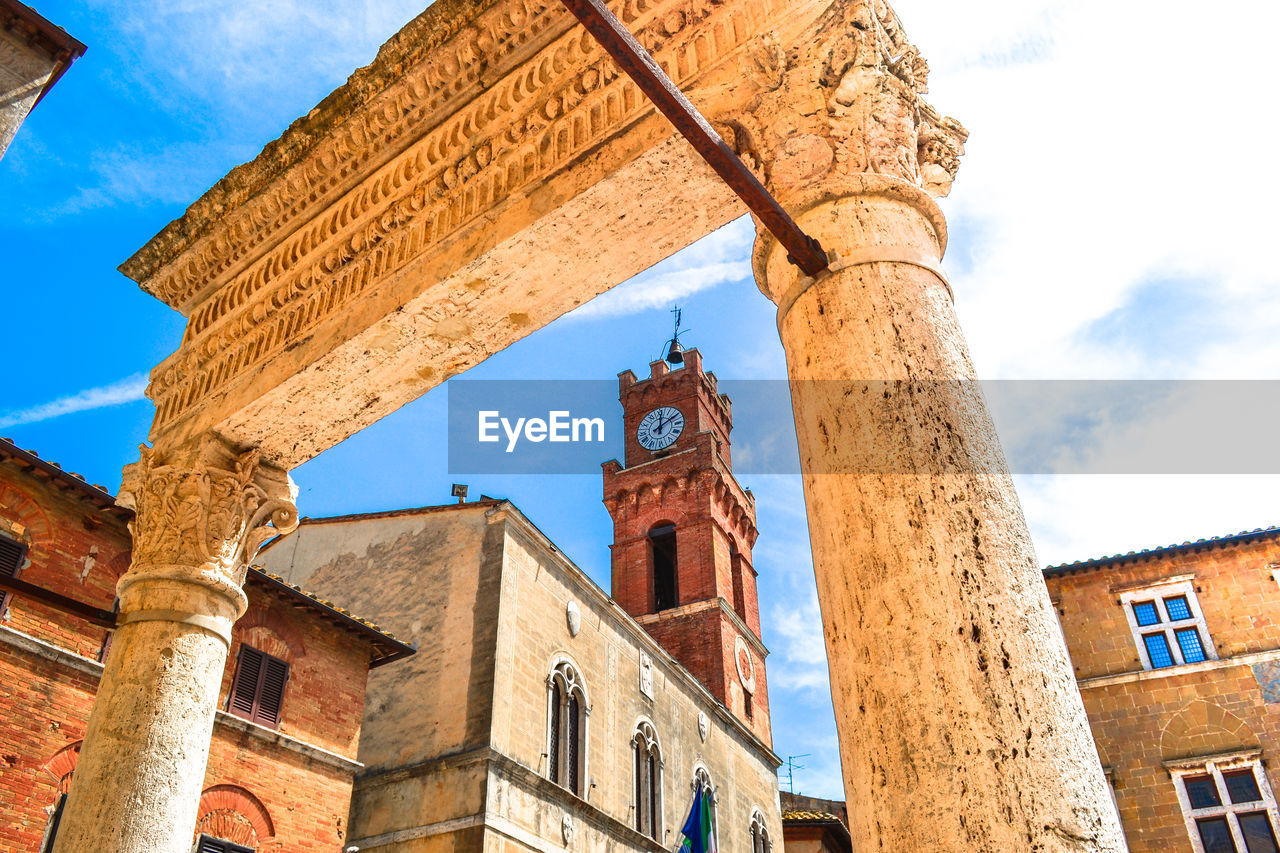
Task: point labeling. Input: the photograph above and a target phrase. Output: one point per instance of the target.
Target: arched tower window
(566, 727)
(702, 780)
(648, 788)
(760, 842)
(662, 549)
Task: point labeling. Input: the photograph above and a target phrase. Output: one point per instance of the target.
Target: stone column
(202, 511)
(960, 724)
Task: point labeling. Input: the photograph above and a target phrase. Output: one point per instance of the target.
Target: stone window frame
(645, 745)
(760, 840)
(567, 675)
(1158, 591)
(1215, 766)
(702, 777)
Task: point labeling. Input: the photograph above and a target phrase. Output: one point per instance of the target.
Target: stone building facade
(284, 745)
(457, 741)
(539, 713)
(1177, 654)
(34, 53)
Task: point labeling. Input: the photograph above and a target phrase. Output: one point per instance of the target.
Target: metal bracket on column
(802, 250)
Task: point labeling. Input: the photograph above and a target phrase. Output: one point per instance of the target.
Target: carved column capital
(843, 102)
(202, 512)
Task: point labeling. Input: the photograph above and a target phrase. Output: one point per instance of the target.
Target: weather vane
(675, 352)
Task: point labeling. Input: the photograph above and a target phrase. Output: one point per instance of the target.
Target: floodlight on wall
(460, 492)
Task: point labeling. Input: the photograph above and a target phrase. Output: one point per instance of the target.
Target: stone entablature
(471, 124)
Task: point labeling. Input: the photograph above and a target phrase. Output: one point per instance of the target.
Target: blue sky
(1113, 219)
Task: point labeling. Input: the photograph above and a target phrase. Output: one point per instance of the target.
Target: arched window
(662, 548)
(566, 727)
(760, 842)
(648, 787)
(702, 780)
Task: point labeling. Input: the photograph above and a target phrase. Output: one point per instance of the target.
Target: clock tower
(682, 534)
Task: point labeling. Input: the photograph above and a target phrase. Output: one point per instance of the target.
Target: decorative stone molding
(206, 507)
(500, 124)
(845, 102)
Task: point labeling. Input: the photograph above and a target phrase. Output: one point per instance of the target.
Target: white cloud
(128, 390)
(722, 256)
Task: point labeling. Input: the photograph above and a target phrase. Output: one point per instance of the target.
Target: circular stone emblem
(746, 664)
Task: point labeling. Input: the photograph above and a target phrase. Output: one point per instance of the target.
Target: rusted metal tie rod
(802, 250)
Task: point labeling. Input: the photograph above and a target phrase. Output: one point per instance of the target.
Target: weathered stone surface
(23, 72)
(201, 512)
(490, 171)
(483, 594)
(960, 724)
(491, 164)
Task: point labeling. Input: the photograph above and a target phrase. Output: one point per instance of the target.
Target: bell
(675, 355)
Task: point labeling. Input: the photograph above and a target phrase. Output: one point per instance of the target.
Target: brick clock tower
(682, 534)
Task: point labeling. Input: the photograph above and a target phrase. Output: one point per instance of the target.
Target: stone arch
(231, 813)
(267, 630)
(1204, 728)
(63, 764)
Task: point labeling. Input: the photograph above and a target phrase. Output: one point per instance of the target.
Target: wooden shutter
(639, 784)
(244, 688)
(257, 691)
(11, 554)
(209, 844)
(554, 757)
(275, 673)
(54, 823)
(574, 723)
(653, 795)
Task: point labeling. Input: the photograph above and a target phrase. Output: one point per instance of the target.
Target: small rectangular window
(1189, 644)
(1145, 612)
(1168, 626)
(1215, 835)
(1158, 650)
(1242, 822)
(1177, 608)
(257, 691)
(1242, 787)
(747, 708)
(1202, 792)
(1258, 836)
(12, 555)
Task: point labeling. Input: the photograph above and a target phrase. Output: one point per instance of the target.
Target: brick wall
(1142, 719)
(270, 793)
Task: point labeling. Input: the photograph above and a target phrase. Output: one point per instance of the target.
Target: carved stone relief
(845, 102)
(207, 506)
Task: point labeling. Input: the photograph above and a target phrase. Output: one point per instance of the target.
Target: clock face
(660, 428)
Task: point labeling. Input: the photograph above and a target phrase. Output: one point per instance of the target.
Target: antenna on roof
(792, 767)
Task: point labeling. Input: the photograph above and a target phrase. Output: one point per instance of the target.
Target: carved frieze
(505, 141)
(205, 506)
